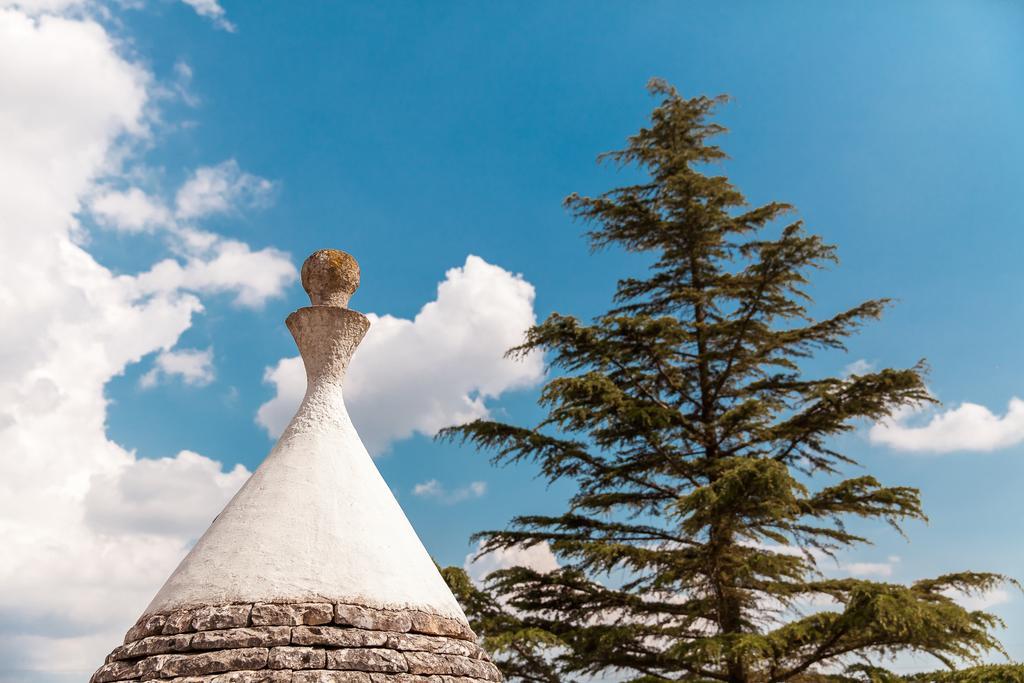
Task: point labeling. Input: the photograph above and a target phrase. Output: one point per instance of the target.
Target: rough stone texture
(430, 663)
(153, 645)
(372, 619)
(169, 666)
(146, 626)
(113, 671)
(152, 667)
(297, 658)
(177, 622)
(218, 661)
(260, 676)
(228, 616)
(339, 637)
(264, 676)
(440, 645)
(259, 636)
(365, 645)
(433, 624)
(305, 613)
(485, 670)
(330, 677)
(367, 659)
(330, 277)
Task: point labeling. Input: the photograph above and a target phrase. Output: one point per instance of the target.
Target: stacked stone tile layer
(311, 642)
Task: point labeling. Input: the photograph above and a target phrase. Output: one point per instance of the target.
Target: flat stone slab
(297, 614)
(255, 636)
(311, 676)
(308, 613)
(333, 636)
(367, 659)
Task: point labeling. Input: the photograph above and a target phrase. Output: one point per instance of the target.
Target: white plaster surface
(316, 521)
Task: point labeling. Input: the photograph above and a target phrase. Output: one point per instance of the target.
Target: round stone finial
(330, 277)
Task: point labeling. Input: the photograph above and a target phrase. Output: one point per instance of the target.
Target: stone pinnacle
(311, 573)
(330, 277)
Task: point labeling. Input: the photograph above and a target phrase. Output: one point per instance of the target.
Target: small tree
(704, 457)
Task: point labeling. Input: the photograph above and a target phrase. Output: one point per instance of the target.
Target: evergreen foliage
(704, 458)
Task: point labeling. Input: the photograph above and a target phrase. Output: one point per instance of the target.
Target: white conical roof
(316, 521)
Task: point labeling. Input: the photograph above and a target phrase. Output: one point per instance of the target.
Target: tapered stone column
(312, 571)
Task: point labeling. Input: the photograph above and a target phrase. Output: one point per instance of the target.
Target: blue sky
(416, 134)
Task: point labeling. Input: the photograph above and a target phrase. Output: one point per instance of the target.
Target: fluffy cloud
(89, 528)
(46, 64)
(220, 266)
(205, 262)
(133, 498)
(438, 369)
(435, 490)
(193, 366)
(289, 379)
(130, 211)
(32, 7)
(967, 427)
(220, 189)
(537, 556)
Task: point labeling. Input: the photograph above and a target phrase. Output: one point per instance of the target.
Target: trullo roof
(312, 573)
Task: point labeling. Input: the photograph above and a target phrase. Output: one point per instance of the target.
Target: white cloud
(212, 264)
(538, 557)
(858, 367)
(52, 153)
(193, 366)
(89, 528)
(209, 190)
(433, 489)
(230, 267)
(220, 189)
(983, 601)
(134, 497)
(289, 379)
(436, 370)
(130, 211)
(212, 10)
(967, 427)
(883, 569)
(35, 7)
(828, 563)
